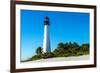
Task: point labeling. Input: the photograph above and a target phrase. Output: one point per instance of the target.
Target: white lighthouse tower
(46, 40)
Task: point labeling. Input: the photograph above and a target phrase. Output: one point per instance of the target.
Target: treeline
(62, 50)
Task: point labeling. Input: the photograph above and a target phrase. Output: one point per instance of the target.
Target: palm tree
(39, 50)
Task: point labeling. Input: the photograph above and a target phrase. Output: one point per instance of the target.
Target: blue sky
(64, 27)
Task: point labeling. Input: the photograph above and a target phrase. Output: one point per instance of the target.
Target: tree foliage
(39, 51)
(63, 50)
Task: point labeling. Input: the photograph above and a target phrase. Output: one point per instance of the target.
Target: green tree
(61, 45)
(85, 47)
(39, 51)
(62, 50)
(48, 55)
(75, 45)
(66, 45)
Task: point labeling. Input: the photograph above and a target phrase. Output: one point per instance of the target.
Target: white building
(46, 40)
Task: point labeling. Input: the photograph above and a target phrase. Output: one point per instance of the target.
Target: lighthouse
(46, 40)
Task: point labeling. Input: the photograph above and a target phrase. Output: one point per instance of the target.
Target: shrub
(48, 55)
(62, 50)
(36, 57)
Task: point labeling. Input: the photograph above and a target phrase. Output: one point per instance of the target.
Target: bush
(62, 50)
(36, 57)
(66, 55)
(79, 53)
(48, 55)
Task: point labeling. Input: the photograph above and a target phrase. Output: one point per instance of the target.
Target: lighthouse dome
(46, 20)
